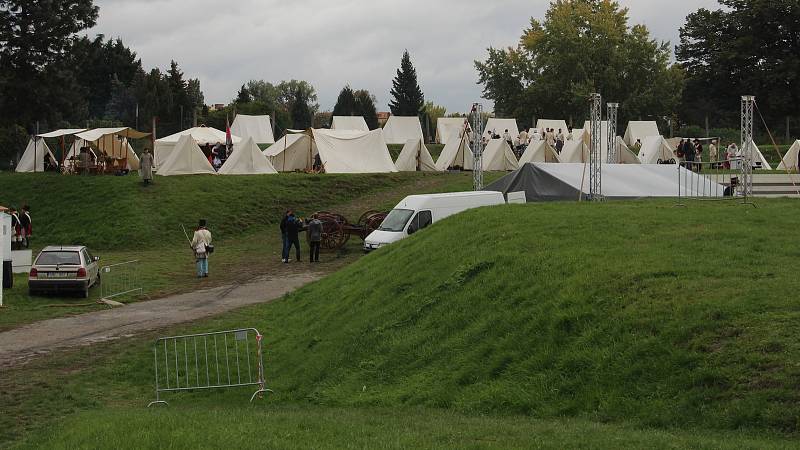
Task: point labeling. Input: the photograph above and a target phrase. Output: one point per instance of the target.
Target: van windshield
(396, 220)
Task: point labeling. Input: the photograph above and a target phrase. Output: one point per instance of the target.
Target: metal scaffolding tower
(748, 103)
(477, 151)
(611, 118)
(595, 148)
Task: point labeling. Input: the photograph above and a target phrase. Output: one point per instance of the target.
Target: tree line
(749, 47)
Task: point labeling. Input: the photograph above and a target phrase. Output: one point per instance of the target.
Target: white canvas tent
(624, 154)
(456, 153)
(555, 125)
(113, 142)
(348, 151)
(33, 158)
(415, 157)
(655, 148)
(257, 127)
(790, 159)
(449, 127)
(574, 152)
(499, 126)
(497, 156)
(758, 158)
(201, 135)
(247, 159)
(640, 130)
(539, 151)
(186, 159)
(63, 132)
(349, 123)
(294, 151)
(399, 129)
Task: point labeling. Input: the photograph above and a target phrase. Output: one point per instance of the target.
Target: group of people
(520, 142)
(21, 227)
(217, 154)
(690, 154)
(291, 226)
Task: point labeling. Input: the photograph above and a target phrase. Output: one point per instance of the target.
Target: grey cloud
(332, 44)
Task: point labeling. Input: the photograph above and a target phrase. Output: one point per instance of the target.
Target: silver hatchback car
(60, 269)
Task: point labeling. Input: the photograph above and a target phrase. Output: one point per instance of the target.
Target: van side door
(420, 221)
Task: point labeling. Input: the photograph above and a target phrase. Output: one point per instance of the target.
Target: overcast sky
(333, 43)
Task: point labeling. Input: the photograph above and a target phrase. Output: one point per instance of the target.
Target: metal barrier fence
(120, 279)
(709, 180)
(215, 360)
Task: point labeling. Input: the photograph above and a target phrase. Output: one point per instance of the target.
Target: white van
(416, 212)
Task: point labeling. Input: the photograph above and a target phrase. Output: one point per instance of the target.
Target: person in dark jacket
(314, 239)
(689, 154)
(294, 225)
(285, 237)
(26, 226)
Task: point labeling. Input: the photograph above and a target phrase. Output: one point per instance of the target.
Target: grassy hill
(638, 314)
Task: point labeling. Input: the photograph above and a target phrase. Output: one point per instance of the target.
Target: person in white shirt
(201, 242)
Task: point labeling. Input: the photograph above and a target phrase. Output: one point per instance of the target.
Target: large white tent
(348, 151)
(539, 151)
(186, 159)
(349, 123)
(62, 132)
(574, 152)
(790, 159)
(415, 157)
(399, 129)
(500, 126)
(33, 158)
(113, 142)
(456, 153)
(449, 127)
(294, 151)
(497, 156)
(247, 159)
(555, 125)
(639, 130)
(257, 127)
(624, 154)
(201, 135)
(655, 148)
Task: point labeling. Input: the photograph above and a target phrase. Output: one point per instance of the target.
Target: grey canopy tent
(538, 185)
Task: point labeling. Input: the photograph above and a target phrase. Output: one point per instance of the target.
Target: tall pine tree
(346, 103)
(408, 99)
(365, 107)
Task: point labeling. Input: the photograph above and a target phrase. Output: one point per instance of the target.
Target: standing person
(689, 153)
(294, 225)
(26, 225)
(507, 138)
(200, 245)
(559, 141)
(314, 239)
(550, 138)
(146, 166)
(713, 154)
(16, 237)
(698, 154)
(730, 153)
(285, 236)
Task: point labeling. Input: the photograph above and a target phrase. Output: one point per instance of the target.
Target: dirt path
(20, 344)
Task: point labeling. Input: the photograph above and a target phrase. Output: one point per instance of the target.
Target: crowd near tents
(350, 147)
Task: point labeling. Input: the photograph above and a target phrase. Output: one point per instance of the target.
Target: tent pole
(36, 148)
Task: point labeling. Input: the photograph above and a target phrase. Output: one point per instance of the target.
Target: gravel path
(19, 345)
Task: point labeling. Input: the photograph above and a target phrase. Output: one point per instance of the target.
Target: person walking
(314, 239)
(26, 226)
(689, 153)
(294, 225)
(201, 245)
(559, 141)
(698, 155)
(146, 166)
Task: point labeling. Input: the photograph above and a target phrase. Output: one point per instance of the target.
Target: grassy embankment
(121, 220)
(502, 327)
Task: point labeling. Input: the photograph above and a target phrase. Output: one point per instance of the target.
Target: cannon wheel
(333, 234)
(372, 222)
(362, 221)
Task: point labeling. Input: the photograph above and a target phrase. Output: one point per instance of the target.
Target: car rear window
(59, 258)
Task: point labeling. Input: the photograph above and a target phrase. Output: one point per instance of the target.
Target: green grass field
(121, 220)
(623, 324)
